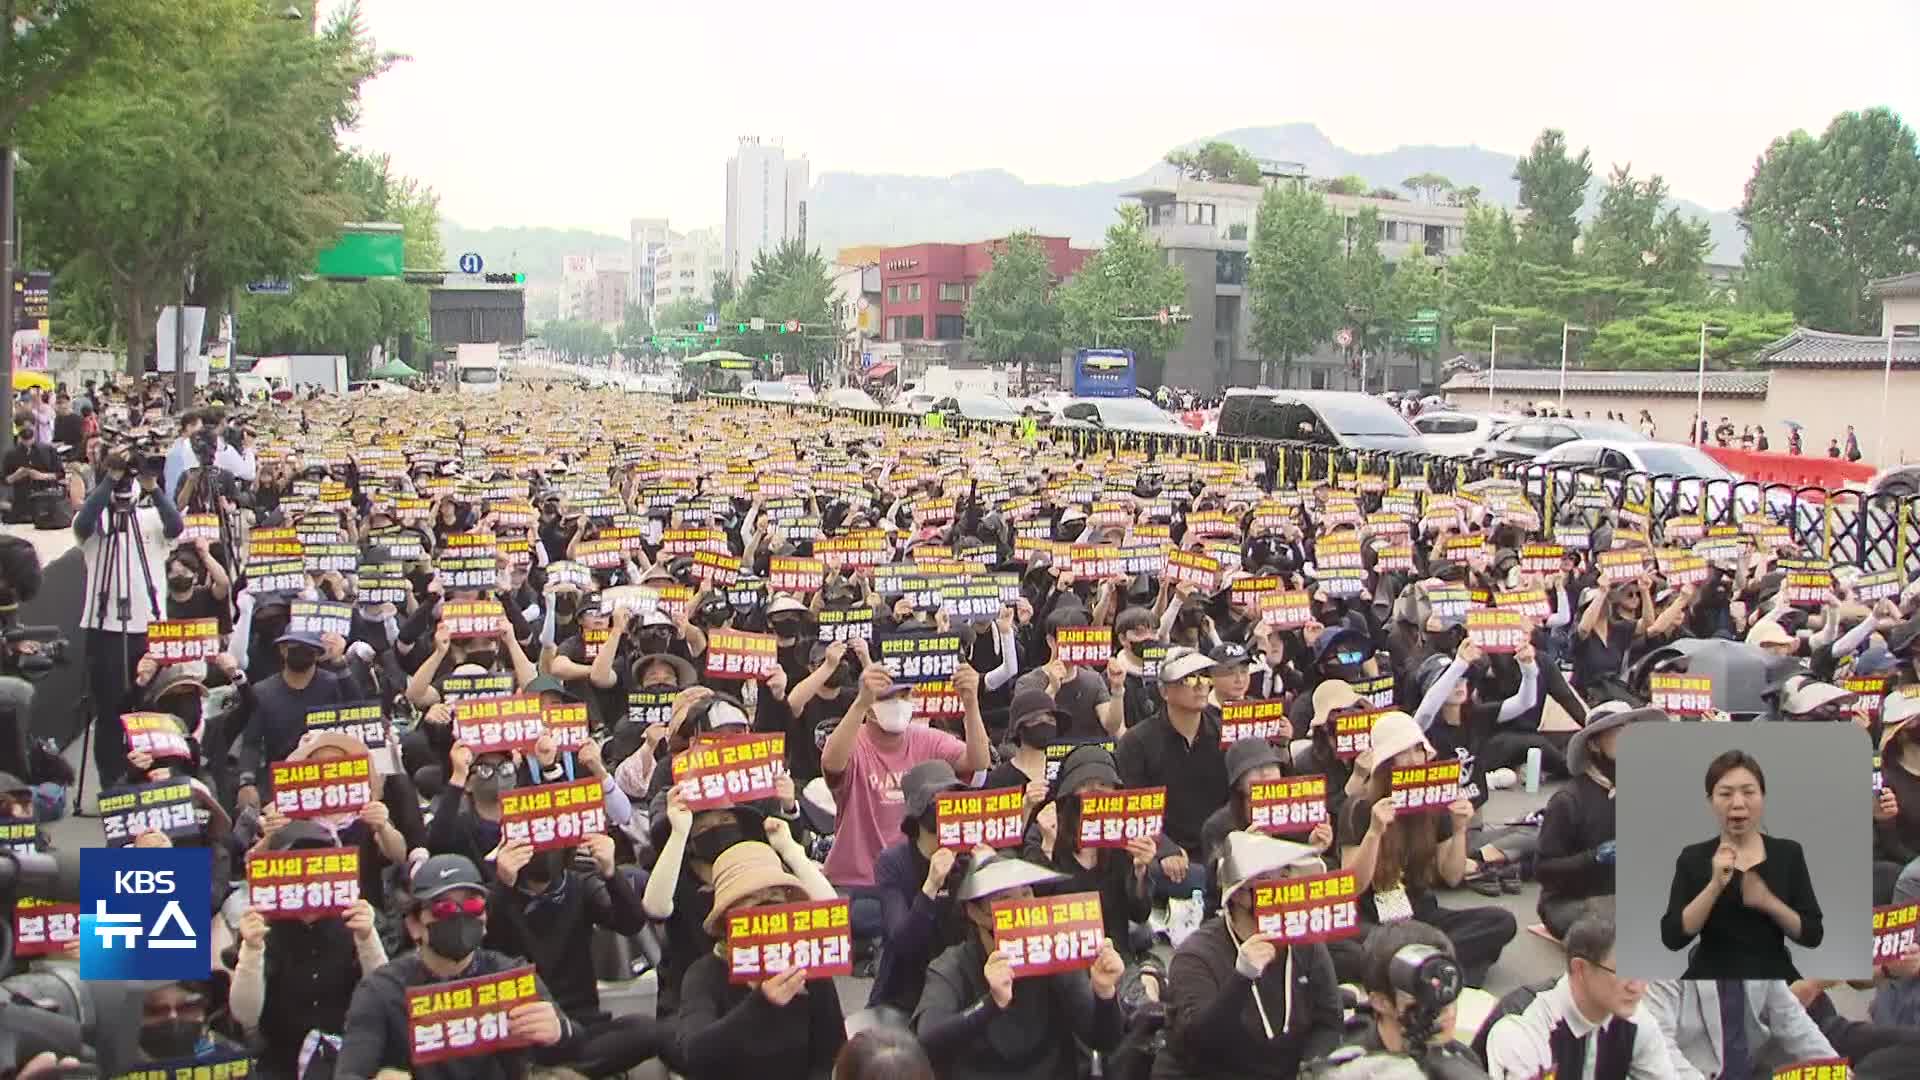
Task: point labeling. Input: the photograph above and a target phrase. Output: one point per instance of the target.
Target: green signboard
(365, 250)
(1427, 315)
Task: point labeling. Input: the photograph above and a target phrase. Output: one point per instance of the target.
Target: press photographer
(34, 471)
(1412, 983)
(126, 527)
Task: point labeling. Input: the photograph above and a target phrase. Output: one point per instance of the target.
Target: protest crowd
(1074, 757)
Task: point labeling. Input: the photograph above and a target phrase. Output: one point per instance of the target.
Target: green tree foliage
(1415, 286)
(1294, 276)
(1430, 186)
(1130, 277)
(634, 327)
(1342, 185)
(1553, 187)
(1488, 270)
(1013, 315)
(681, 316)
(1635, 236)
(53, 42)
(1216, 161)
(1363, 283)
(148, 167)
(1668, 337)
(577, 338)
(1827, 215)
(789, 282)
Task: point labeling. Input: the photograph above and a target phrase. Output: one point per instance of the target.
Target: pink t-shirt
(869, 799)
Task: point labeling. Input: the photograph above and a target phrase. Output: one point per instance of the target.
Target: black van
(1341, 418)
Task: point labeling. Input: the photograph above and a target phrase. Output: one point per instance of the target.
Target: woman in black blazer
(1743, 894)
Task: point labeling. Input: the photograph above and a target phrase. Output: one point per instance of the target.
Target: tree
(1430, 186)
(1488, 270)
(790, 282)
(577, 338)
(1013, 316)
(1825, 216)
(1344, 185)
(1363, 283)
(1636, 237)
(1553, 187)
(634, 327)
(1468, 196)
(49, 43)
(1386, 194)
(1668, 337)
(1220, 162)
(678, 316)
(131, 177)
(1416, 286)
(1128, 279)
(1294, 276)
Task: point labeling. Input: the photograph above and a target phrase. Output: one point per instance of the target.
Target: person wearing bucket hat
(1118, 875)
(1897, 809)
(447, 920)
(1330, 700)
(1812, 701)
(1401, 859)
(911, 880)
(1034, 723)
(1576, 854)
(783, 1026)
(1250, 761)
(1180, 750)
(976, 1020)
(1239, 1004)
(385, 830)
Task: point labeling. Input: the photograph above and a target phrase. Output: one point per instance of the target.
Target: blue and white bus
(1103, 373)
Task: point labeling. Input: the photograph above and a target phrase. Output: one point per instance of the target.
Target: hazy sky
(591, 112)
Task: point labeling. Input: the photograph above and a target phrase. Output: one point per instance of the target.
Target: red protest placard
(1871, 690)
(1896, 931)
(566, 724)
(1529, 602)
(1293, 805)
(299, 884)
(1289, 609)
(715, 569)
(1620, 567)
(467, 1018)
(1424, 789)
(473, 618)
(816, 936)
(554, 815)
(43, 927)
(1308, 910)
(157, 735)
(1096, 561)
(1497, 630)
(1353, 733)
(796, 575)
(737, 654)
(495, 725)
(1541, 558)
(1263, 719)
(1193, 568)
(1086, 646)
(1681, 568)
(177, 641)
(314, 788)
(996, 818)
(1047, 934)
(1681, 695)
(937, 700)
(1834, 1068)
(1112, 818)
(737, 768)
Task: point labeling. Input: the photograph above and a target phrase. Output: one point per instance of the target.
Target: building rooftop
(1818, 348)
(1718, 383)
(1897, 285)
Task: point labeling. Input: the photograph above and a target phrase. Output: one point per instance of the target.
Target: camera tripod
(120, 545)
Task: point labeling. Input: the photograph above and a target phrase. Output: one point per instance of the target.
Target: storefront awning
(879, 371)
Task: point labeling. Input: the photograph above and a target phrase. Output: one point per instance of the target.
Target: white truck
(298, 372)
(478, 369)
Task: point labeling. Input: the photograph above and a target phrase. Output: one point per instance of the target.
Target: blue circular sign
(470, 263)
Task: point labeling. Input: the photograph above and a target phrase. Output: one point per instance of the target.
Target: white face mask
(893, 715)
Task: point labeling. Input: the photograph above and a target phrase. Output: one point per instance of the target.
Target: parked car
(1529, 437)
(1116, 414)
(1689, 480)
(378, 386)
(1459, 432)
(777, 391)
(848, 397)
(1329, 417)
(975, 407)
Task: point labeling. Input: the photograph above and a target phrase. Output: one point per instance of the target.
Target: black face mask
(1346, 673)
(1039, 736)
(566, 607)
(653, 642)
(456, 938)
(186, 707)
(484, 659)
(180, 584)
(170, 1039)
(708, 845)
(1069, 530)
(301, 658)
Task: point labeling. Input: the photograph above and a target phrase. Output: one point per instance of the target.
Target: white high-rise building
(766, 202)
(685, 268)
(647, 236)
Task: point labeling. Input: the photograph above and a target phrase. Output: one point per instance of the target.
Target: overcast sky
(613, 109)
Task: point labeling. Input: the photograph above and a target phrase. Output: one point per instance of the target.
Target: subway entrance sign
(367, 249)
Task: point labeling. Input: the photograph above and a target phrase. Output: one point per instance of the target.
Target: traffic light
(741, 328)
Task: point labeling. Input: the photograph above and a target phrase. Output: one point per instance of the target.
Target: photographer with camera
(182, 455)
(1412, 983)
(33, 469)
(126, 527)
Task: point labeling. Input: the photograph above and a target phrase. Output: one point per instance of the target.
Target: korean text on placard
(1112, 818)
(1292, 805)
(316, 788)
(498, 724)
(554, 815)
(301, 883)
(1044, 935)
(996, 818)
(723, 772)
(1426, 788)
(1308, 910)
(466, 1018)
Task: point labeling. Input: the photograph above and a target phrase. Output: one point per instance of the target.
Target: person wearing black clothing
(466, 813)
(977, 1021)
(1119, 875)
(276, 708)
(1615, 618)
(447, 924)
(69, 428)
(1180, 750)
(1392, 1008)
(31, 467)
(1577, 849)
(910, 879)
(783, 1027)
(198, 587)
(1744, 893)
(1238, 1005)
(543, 909)
(1249, 762)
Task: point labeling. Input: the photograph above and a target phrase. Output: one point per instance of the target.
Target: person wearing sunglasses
(447, 920)
(1180, 750)
(466, 813)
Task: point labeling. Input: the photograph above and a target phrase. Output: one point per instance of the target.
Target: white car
(778, 391)
(1117, 414)
(1684, 478)
(378, 387)
(1457, 433)
(848, 397)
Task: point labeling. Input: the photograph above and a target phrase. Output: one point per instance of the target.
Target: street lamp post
(1493, 359)
(1700, 385)
(1566, 328)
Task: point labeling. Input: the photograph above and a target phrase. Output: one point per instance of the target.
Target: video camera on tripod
(1432, 979)
(130, 454)
(20, 583)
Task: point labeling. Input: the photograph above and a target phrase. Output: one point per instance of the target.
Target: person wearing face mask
(823, 695)
(977, 1021)
(1616, 618)
(1118, 875)
(447, 921)
(275, 710)
(1575, 859)
(1087, 703)
(466, 813)
(1239, 1004)
(786, 1027)
(197, 586)
(1134, 630)
(385, 830)
(292, 976)
(1336, 654)
(1249, 761)
(679, 892)
(32, 467)
(1036, 723)
(155, 1022)
(911, 879)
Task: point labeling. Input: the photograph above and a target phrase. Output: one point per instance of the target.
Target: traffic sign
(793, 326)
(1344, 338)
(1426, 315)
(713, 322)
(470, 263)
(866, 360)
(757, 324)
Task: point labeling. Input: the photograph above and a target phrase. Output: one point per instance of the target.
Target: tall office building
(766, 202)
(647, 237)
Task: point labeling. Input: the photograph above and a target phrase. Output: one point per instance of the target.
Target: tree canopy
(1013, 315)
(1294, 277)
(1553, 187)
(1128, 279)
(1217, 161)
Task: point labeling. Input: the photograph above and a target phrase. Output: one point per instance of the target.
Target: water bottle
(1533, 770)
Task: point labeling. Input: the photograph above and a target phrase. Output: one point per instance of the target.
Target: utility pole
(1566, 328)
(7, 241)
(1700, 388)
(1493, 360)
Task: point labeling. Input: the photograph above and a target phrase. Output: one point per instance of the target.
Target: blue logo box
(146, 913)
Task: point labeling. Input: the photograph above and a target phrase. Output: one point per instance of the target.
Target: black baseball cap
(444, 873)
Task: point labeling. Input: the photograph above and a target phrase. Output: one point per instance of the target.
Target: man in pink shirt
(871, 749)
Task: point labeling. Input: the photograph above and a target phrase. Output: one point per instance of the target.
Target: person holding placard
(1117, 874)
(1577, 851)
(385, 830)
(1744, 894)
(978, 1020)
(912, 880)
(1401, 858)
(1180, 750)
(1239, 1003)
(1250, 762)
(783, 1027)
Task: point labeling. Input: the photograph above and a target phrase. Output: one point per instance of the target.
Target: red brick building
(925, 288)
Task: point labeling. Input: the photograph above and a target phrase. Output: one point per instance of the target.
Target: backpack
(1512, 1003)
